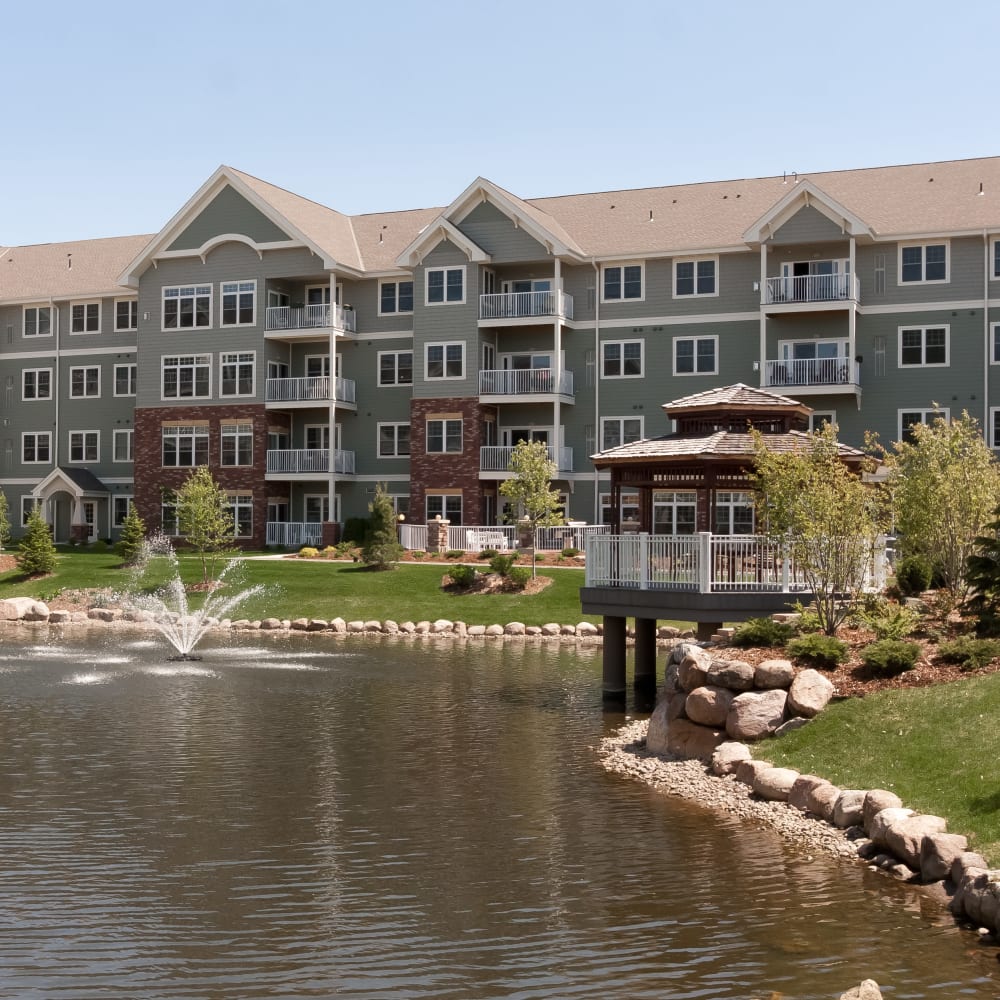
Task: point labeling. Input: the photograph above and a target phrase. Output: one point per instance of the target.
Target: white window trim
(397, 384)
(445, 267)
(642, 357)
(696, 338)
(28, 504)
(444, 497)
(398, 311)
(923, 330)
(36, 399)
(444, 435)
(620, 421)
(233, 498)
(994, 343)
(84, 368)
(445, 344)
(187, 399)
(126, 329)
(814, 426)
(222, 362)
(694, 260)
(24, 324)
(129, 504)
(994, 265)
(197, 430)
(324, 431)
(69, 447)
(84, 302)
(641, 264)
(242, 281)
(130, 434)
(132, 379)
(36, 435)
(926, 411)
(924, 243)
(186, 329)
(230, 428)
(378, 438)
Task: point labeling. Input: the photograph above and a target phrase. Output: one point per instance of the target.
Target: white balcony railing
(812, 371)
(294, 534)
(522, 305)
(474, 538)
(812, 288)
(496, 458)
(312, 387)
(293, 461)
(522, 381)
(314, 317)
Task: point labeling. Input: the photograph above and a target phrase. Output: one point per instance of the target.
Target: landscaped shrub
(808, 620)
(889, 657)
(887, 619)
(518, 576)
(818, 650)
(502, 564)
(913, 575)
(356, 530)
(570, 552)
(308, 552)
(970, 653)
(454, 554)
(487, 553)
(418, 554)
(462, 576)
(762, 632)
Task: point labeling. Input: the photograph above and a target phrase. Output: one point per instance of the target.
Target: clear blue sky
(115, 113)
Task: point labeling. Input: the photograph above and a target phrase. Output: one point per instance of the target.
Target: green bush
(818, 650)
(487, 553)
(36, 554)
(762, 632)
(462, 576)
(887, 619)
(454, 554)
(418, 554)
(308, 552)
(356, 530)
(913, 575)
(569, 552)
(970, 653)
(889, 657)
(518, 576)
(502, 564)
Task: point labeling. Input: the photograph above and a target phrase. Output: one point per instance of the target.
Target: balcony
(812, 291)
(308, 462)
(314, 390)
(507, 306)
(525, 385)
(813, 376)
(496, 458)
(312, 322)
(294, 534)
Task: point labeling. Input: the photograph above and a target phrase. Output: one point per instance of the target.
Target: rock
(567, 630)
(728, 755)
(476, 630)
(772, 674)
(513, 628)
(586, 628)
(687, 739)
(659, 723)
(355, 627)
(532, 630)
(675, 701)
(460, 629)
(318, 625)
(494, 630)
(101, 615)
(822, 800)
(792, 724)
(422, 628)
(774, 783)
(810, 693)
(732, 674)
(390, 627)
(878, 829)
(373, 626)
(938, 853)
(300, 624)
(866, 848)
(875, 801)
(667, 632)
(965, 862)
(270, 623)
(798, 794)
(59, 617)
(24, 609)
(754, 714)
(905, 837)
(338, 625)
(747, 770)
(682, 650)
(407, 628)
(693, 672)
(550, 628)
(847, 810)
(709, 706)
(868, 990)
(441, 625)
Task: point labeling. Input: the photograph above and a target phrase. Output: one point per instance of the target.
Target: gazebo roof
(735, 399)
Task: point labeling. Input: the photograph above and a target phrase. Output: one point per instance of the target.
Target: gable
(228, 212)
(497, 234)
(808, 225)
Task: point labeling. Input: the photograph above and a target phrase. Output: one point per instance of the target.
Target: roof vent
(69, 262)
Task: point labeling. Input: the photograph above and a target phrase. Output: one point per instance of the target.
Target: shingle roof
(736, 395)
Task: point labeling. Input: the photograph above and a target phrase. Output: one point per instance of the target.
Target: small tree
(4, 520)
(204, 519)
(530, 487)
(810, 501)
(37, 554)
(381, 549)
(131, 543)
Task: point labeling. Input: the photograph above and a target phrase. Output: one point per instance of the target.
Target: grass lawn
(935, 747)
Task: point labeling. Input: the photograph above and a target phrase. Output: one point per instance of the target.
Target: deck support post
(705, 630)
(613, 681)
(644, 681)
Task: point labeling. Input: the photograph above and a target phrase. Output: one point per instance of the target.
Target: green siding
(808, 225)
(496, 233)
(228, 212)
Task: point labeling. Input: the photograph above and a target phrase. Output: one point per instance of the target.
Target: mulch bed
(494, 583)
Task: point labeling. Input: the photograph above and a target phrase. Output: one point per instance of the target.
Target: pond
(304, 817)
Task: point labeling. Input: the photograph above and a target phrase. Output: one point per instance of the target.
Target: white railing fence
(413, 537)
(812, 371)
(504, 537)
(303, 460)
(521, 381)
(311, 317)
(518, 305)
(310, 387)
(293, 534)
(496, 458)
(812, 288)
(567, 536)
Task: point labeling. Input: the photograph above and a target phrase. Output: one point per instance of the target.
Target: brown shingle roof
(738, 395)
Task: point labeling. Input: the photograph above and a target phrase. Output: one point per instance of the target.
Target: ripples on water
(399, 820)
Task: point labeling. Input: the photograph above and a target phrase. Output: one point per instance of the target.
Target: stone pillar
(613, 680)
(437, 536)
(330, 533)
(645, 655)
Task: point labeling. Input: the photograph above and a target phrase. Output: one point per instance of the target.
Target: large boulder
(868, 990)
(810, 693)
(878, 829)
(774, 783)
(771, 674)
(693, 671)
(728, 756)
(755, 714)
(708, 706)
(848, 809)
(23, 609)
(906, 836)
(747, 770)
(691, 741)
(814, 795)
(938, 853)
(875, 801)
(732, 674)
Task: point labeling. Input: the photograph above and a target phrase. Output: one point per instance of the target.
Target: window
(622, 282)
(395, 367)
(995, 356)
(168, 517)
(85, 383)
(28, 504)
(444, 436)
(400, 503)
(616, 431)
(185, 445)
(125, 379)
(696, 355)
(36, 383)
(187, 307)
(187, 375)
(120, 508)
(674, 513)
(237, 444)
(909, 418)
(696, 277)
(996, 259)
(37, 321)
(445, 284)
(36, 447)
(84, 446)
(923, 262)
(394, 440)
(447, 506)
(923, 346)
(317, 508)
(85, 317)
(629, 511)
(126, 314)
(237, 374)
(240, 507)
(445, 360)
(239, 301)
(733, 514)
(819, 417)
(122, 446)
(395, 297)
(622, 359)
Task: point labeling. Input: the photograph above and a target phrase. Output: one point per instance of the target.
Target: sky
(116, 113)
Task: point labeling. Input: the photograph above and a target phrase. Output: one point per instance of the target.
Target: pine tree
(4, 520)
(133, 537)
(37, 554)
(382, 549)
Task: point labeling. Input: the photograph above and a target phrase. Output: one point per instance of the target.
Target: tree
(204, 519)
(381, 549)
(133, 537)
(945, 486)
(811, 502)
(530, 487)
(37, 553)
(4, 520)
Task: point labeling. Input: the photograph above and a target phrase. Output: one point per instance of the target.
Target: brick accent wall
(151, 478)
(458, 473)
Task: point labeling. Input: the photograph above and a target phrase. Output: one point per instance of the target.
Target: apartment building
(306, 355)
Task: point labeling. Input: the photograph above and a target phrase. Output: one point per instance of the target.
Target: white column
(331, 489)
(852, 317)
(763, 314)
(557, 355)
